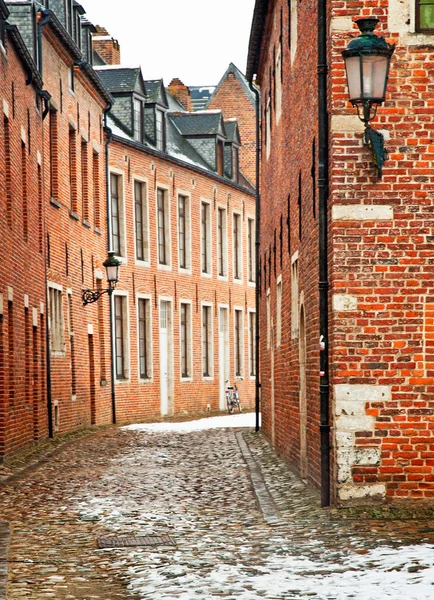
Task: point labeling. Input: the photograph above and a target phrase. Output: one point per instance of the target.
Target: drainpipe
(323, 192)
(257, 250)
(108, 132)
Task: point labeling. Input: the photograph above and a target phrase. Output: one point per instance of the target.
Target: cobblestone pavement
(197, 488)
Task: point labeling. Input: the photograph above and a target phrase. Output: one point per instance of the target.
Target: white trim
(211, 337)
(123, 257)
(168, 229)
(150, 379)
(238, 281)
(268, 308)
(250, 217)
(188, 236)
(143, 180)
(189, 341)
(126, 341)
(208, 273)
(250, 311)
(242, 349)
(225, 248)
(279, 285)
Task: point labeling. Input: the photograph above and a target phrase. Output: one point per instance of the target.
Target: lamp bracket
(375, 141)
(89, 296)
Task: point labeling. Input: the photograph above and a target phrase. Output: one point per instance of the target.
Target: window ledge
(206, 275)
(207, 378)
(145, 381)
(86, 224)
(238, 281)
(55, 203)
(222, 277)
(74, 215)
(142, 263)
(165, 267)
(125, 381)
(184, 271)
(98, 230)
(186, 379)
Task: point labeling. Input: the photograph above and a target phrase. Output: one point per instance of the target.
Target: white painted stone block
(1, 304)
(6, 109)
(90, 329)
(26, 300)
(346, 123)
(341, 24)
(98, 274)
(356, 423)
(344, 439)
(360, 212)
(350, 408)
(35, 317)
(344, 302)
(365, 392)
(41, 308)
(38, 158)
(366, 456)
(356, 492)
(10, 294)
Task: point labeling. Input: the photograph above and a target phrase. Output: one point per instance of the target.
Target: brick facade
(380, 275)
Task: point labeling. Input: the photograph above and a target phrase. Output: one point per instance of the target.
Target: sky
(194, 40)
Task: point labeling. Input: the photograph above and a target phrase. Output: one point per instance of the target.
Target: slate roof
(98, 60)
(256, 33)
(241, 78)
(4, 12)
(199, 123)
(232, 131)
(24, 54)
(155, 92)
(121, 80)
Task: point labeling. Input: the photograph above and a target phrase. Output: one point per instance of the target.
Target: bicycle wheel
(230, 403)
(237, 400)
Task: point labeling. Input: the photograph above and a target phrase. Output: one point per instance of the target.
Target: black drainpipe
(108, 132)
(257, 251)
(323, 191)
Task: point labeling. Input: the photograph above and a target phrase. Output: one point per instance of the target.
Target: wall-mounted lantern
(111, 265)
(367, 62)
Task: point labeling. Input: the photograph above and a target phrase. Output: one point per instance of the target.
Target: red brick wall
(107, 47)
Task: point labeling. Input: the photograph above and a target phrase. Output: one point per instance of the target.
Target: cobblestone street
(233, 536)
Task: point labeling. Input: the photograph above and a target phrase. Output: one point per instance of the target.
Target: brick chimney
(181, 92)
(106, 46)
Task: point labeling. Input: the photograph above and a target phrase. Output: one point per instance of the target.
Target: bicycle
(233, 396)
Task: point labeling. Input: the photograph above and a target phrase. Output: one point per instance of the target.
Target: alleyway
(196, 488)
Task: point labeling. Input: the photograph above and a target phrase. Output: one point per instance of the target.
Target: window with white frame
(239, 345)
(184, 231)
(268, 319)
(138, 120)
(207, 341)
(57, 329)
(279, 311)
(251, 249)
(237, 247)
(144, 338)
(268, 127)
(141, 220)
(163, 227)
(252, 343)
(205, 235)
(222, 242)
(121, 337)
(117, 216)
(159, 130)
(186, 349)
(294, 299)
(278, 76)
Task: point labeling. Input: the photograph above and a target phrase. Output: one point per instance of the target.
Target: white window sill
(142, 263)
(143, 381)
(251, 284)
(186, 379)
(238, 281)
(125, 381)
(206, 275)
(209, 378)
(184, 271)
(164, 267)
(222, 277)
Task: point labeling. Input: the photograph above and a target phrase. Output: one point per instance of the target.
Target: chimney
(106, 46)
(181, 92)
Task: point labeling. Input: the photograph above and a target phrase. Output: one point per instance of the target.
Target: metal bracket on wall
(375, 141)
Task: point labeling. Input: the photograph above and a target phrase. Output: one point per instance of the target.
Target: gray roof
(98, 60)
(155, 92)
(241, 78)
(4, 12)
(256, 33)
(122, 80)
(232, 131)
(200, 123)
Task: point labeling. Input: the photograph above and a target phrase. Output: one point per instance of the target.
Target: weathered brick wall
(141, 400)
(23, 410)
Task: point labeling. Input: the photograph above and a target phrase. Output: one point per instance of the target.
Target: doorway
(165, 357)
(303, 399)
(223, 355)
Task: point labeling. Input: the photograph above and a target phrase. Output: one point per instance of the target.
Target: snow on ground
(242, 420)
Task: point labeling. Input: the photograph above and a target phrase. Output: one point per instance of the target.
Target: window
(71, 79)
(220, 157)
(222, 242)
(251, 249)
(72, 170)
(53, 153)
(159, 130)
(115, 193)
(268, 127)
(141, 220)
(84, 181)
(185, 315)
(279, 312)
(425, 16)
(163, 227)
(205, 229)
(68, 16)
(237, 246)
(268, 317)
(294, 299)
(184, 231)
(252, 344)
(144, 314)
(235, 164)
(278, 83)
(238, 343)
(206, 341)
(2, 34)
(120, 337)
(138, 120)
(77, 31)
(57, 338)
(96, 189)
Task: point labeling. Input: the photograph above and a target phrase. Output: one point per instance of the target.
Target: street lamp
(111, 265)
(367, 62)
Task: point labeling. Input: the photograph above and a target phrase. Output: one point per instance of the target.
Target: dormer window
(138, 120)
(220, 157)
(235, 164)
(159, 130)
(77, 28)
(3, 34)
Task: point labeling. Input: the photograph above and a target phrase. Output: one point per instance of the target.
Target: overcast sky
(194, 40)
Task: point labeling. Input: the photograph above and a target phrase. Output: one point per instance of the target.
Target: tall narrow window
(300, 213)
(268, 316)
(238, 343)
(279, 312)
(73, 170)
(220, 157)
(184, 231)
(235, 164)
(144, 338)
(163, 227)
(120, 331)
(72, 345)
(268, 127)
(57, 336)
(237, 246)
(313, 174)
(205, 238)
(294, 300)
(141, 221)
(222, 250)
(425, 16)
(53, 142)
(40, 211)
(185, 316)
(68, 16)
(159, 130)
(96, 190)
(206, 341)
(84, 181)
(278, 84)
(8, 169)
(138, 120)
(116, 213)
(24, 192)
(252, 344)
(251, 249)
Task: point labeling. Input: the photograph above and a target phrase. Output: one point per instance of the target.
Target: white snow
(242, 420)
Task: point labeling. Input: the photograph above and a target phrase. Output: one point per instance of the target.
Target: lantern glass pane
(112, 274)
(352, 65)
(374, 76)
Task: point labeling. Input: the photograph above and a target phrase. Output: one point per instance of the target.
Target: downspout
(108, 132)
(257, 252)
(323, 192)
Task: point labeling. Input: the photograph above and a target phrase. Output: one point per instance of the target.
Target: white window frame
(208, 272)
(294, 28)
(126, 339)
(268, 127)
(294, 296)
(279, 292)
(268, 319)
(145, 221)
(250, 312)
(138, 134)
(123, 257)
(56, 321)
(209, 377)
(224, 277)
(241, 310)
(251, 249)
(188, 377)
(149, 348)
(167, 227)
(239, 279)
(71, 80)
(188, 269)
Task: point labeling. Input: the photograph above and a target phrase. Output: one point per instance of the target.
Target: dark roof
(4, 11)
(180, 148)
(96, 80)
(24, 54)
(122, 80)
(155, 92)
(256, 33)
(98, 60)
(206, 123)
(232, 131)
(241, 78)
(63, 35)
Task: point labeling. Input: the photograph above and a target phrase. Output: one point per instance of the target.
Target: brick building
(380, 277)
(183, 222)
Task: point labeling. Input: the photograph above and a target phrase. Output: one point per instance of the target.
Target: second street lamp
(111, 265)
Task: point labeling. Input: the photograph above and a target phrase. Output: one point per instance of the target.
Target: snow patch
(242, 420)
